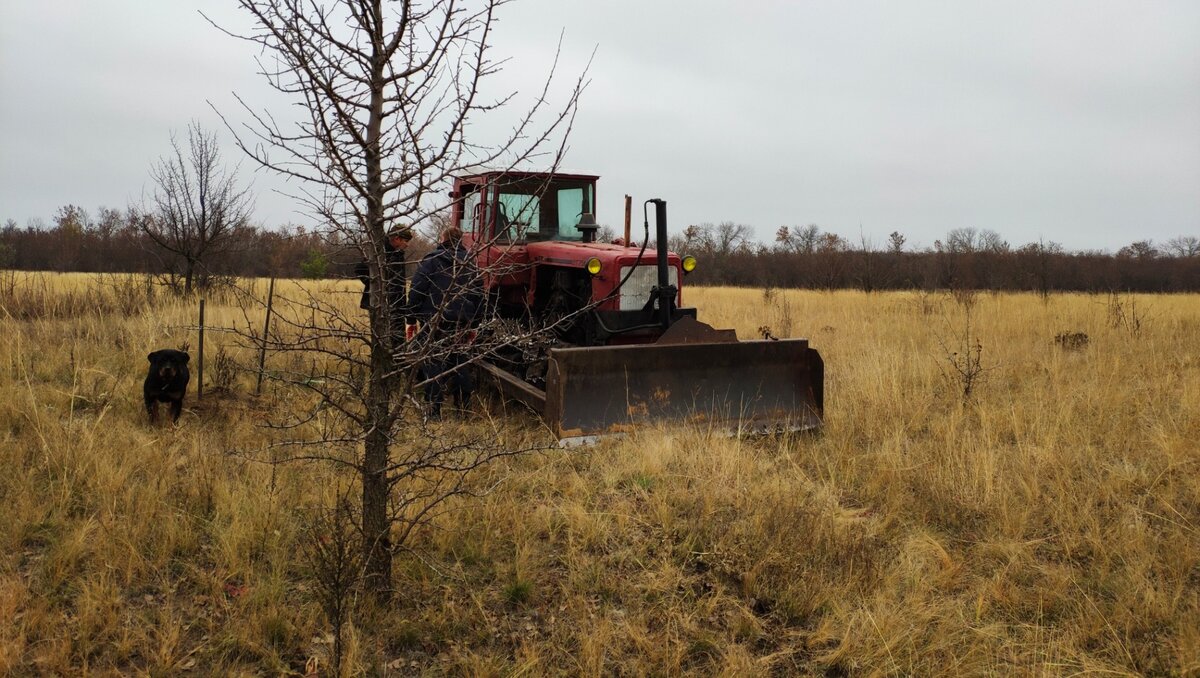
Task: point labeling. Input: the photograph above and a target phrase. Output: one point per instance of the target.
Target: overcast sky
(1077, 122)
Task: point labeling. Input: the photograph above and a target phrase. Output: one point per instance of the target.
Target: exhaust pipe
(665, 291)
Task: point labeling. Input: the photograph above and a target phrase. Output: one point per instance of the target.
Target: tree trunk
(189, 269)
(377, 545)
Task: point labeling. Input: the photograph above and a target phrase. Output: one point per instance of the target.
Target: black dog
(166, 382)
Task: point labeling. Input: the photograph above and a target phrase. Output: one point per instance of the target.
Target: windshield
(535, 211)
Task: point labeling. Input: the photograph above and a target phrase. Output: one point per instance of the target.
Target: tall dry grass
(1046, 524)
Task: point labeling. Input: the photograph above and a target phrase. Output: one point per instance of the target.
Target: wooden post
(628, 217)
(262, 353)
(200, 358)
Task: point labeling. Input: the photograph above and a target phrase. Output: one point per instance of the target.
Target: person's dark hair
(402, 231)
(451, 235)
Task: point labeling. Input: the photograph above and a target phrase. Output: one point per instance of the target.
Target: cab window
(534, 211)
(516, 215)
(470, 214)
(572, 203)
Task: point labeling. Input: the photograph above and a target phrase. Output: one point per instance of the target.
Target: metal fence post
(262, 354)
(200, 360)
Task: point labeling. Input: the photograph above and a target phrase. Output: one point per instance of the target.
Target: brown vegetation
(1048, 524)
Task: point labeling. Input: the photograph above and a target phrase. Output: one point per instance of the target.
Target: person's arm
(472, 289)
(418, 293)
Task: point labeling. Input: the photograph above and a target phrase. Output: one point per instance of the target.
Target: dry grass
(1050, 524)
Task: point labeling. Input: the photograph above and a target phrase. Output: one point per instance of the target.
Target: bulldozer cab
(518, 207)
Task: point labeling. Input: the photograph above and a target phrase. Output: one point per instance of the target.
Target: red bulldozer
(617, 348)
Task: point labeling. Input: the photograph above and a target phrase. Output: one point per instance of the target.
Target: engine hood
(576, 254)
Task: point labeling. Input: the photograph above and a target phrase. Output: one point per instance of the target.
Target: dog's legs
(152, 410)
(176, 409)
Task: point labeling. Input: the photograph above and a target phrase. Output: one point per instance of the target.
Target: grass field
(1048, 524)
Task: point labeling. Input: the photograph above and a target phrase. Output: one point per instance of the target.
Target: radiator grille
(636, 291)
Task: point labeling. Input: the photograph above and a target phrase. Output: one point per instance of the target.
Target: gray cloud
(1073, 121)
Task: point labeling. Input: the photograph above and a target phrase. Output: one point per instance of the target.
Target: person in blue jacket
(446, 297)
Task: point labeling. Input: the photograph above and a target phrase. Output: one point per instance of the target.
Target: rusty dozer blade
(751, 386)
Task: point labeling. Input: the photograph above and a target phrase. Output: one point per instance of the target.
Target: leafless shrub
(964, 296)
(8, 282)
(780, 311)
(784, 317)
(334, 559)
(926, 302)
(1071, 341)
(1124, 313)
(962, 356)
(224, 370)
(130, 293)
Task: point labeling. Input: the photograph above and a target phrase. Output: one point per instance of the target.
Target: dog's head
(166, 363)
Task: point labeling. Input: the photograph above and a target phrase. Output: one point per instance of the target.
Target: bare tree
(389, 91)
(783, 238)
(1037, 259)
(868, 255)
(798, 239)
(196, 209)
(831, 251)
(1184, 246)
(689, 239)
(805, 238)
(963, 240)
(729, 237)
(1142, 249)
(992, 242)
(70, 224)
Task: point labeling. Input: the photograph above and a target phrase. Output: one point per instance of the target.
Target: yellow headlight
(593, 266)
(689, 264)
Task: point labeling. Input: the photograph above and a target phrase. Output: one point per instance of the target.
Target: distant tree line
(118, 241)
(114, 240)
(966, 258)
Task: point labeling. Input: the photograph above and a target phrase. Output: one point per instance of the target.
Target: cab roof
(482, 177)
